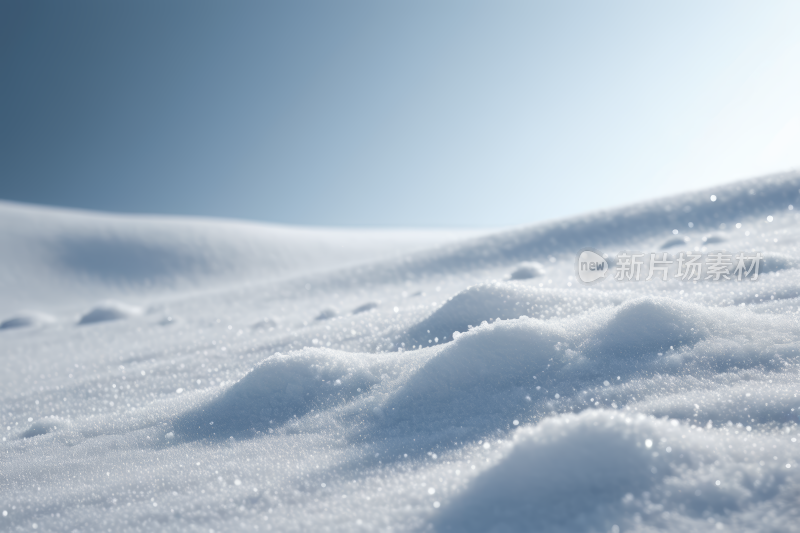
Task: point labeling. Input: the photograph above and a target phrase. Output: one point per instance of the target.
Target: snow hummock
(600, 469)
(528, 270)
(177, 374)
(110, 310)
(26, 320)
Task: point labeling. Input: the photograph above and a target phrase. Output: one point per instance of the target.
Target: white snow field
(195, 375)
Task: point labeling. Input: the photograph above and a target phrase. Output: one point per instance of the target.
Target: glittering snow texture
(196, 375)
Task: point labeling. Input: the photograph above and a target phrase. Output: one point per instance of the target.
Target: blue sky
(378, 113)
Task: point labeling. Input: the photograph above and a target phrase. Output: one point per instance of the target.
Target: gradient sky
(379, 113)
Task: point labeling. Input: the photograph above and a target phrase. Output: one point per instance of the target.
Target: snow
(25, 320)
(186, 374)
(60, 257)
(597, 470)
(110, 310)
(527, 270)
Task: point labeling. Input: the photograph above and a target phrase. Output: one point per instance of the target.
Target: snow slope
(60, 257)
(474, 386)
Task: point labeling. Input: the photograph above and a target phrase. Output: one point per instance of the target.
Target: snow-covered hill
(60, 258)
(173, 374)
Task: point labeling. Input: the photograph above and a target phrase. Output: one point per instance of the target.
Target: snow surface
(198, 375)
(63, 258)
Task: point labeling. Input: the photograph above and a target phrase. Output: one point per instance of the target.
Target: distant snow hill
(58, 258)
(51, 256)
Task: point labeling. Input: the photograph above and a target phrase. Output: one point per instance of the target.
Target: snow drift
(177, 374)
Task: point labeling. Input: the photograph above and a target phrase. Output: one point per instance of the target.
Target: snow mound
(675, 241)
(490, 357)
(715, 238)
(369, 306)
(547, 363)
(605, 471)
(283, 388)
(26, 320)
(327, 314)
(775, 261)
(645, 326)
(110, 310)
(528, 270)
(503, 300)
(45, 425)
